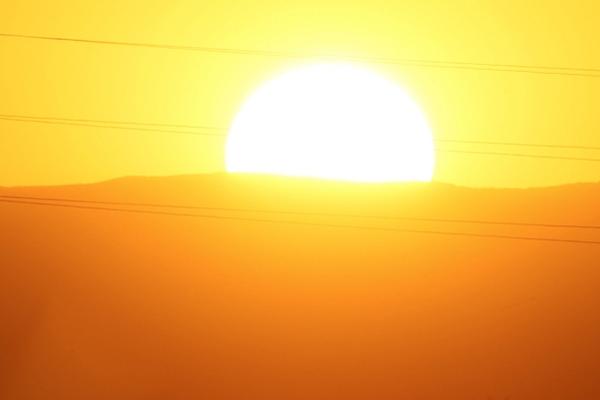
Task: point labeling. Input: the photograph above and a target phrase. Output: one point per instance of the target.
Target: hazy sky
(152, 85)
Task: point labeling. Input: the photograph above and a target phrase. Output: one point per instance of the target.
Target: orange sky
(104, 82)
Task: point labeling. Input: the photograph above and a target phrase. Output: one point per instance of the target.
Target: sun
(332, 121)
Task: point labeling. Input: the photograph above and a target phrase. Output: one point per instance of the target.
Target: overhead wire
(520, 155)
(300, 223)
(125, 128)
(520, 68)
(304, 213)
(107, 124)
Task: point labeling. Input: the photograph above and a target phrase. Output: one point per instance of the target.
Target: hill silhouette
(98, 303)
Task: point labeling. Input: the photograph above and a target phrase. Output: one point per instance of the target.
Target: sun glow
(334, 121)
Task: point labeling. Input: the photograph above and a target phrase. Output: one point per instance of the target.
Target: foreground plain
(98, 303)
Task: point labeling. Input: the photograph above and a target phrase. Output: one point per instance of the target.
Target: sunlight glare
(333, 121)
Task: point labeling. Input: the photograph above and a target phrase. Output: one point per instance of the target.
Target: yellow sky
(134, 84)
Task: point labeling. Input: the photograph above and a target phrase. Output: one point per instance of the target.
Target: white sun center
(334, 121)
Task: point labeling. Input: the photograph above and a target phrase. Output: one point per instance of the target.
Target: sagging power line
(304, 213)
(125, 128)
(422, 63)
(131, 126)
(94, 122)
(299, 223)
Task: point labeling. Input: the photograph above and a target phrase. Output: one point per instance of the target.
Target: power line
(93, 123)
(90, 125)
(490, 153)
(304, 213)
(313, 224)
(532, 69)
(126, 128)
(541, 145)
(104, 121)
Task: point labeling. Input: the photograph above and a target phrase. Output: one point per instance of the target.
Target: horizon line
(295, 178)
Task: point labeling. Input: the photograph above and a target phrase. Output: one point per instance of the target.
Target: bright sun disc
(334, 121)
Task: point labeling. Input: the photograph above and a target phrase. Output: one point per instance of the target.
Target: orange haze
(101, 304)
